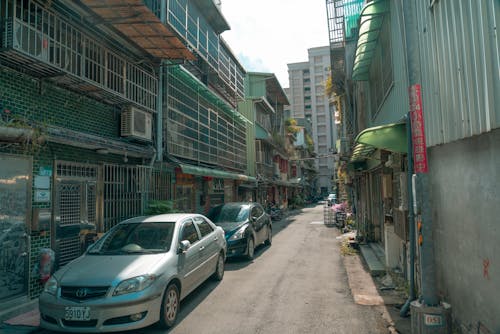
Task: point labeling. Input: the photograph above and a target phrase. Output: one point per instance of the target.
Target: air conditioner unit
(31, 41)
(136, 123)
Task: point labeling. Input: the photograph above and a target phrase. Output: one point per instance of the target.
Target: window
(189, 232)
(203, 226)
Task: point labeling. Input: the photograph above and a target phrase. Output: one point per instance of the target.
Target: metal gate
(127, 190)
(75, 209)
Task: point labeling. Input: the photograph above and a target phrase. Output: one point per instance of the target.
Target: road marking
(317, 223)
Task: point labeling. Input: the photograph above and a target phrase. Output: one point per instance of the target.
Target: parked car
(331, 199)
(134, 275)
(246, 225)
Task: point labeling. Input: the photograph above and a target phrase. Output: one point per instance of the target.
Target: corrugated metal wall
(459, 48)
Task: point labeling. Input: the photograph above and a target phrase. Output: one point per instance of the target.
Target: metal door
(75, 209)
(15, 203)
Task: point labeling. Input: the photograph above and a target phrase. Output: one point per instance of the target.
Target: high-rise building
(308, 101)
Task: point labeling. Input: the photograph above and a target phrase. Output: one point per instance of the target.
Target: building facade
(98, 120)
(264, 106)
(309, 102)
(77, 108)
(458, 92)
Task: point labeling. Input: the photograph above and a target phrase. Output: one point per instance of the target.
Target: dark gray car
(246, 226)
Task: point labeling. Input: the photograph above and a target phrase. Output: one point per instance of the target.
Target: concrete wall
(465, 193)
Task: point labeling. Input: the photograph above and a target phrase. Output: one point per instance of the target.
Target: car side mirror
(183, 246)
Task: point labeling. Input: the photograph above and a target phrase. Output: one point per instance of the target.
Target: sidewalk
(378, 291)
(27, 322)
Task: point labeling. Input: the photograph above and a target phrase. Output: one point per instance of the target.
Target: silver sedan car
(135, 275)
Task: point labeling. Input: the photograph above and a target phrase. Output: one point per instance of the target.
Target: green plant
(160, 207)
(34, 133)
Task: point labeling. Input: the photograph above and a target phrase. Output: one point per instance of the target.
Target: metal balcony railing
(188, 21)
(43, 43)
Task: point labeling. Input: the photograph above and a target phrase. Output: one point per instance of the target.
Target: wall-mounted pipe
(411, 221)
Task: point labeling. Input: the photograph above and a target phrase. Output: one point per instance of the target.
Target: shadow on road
(188, 305)
(237, 263)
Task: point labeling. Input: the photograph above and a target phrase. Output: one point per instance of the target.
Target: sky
(266, 35)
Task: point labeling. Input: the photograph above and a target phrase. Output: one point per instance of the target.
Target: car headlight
(239, 234)
(134, 284)
(51, 286)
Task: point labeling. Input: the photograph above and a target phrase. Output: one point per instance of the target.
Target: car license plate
(76, 313)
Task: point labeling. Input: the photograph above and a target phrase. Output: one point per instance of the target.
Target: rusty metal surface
(136, 21)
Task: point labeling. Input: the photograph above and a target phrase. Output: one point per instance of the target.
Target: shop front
(378, 169)
(200, 188)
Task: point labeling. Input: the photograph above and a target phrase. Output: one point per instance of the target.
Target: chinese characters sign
(417, 131)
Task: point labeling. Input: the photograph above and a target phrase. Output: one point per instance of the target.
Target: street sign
(418, 130)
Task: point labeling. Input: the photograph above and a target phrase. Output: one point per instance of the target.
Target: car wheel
(219, 269)
(269, 240)
(250, 248)
(169, 307)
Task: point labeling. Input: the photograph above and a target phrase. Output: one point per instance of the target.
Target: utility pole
(428, 316)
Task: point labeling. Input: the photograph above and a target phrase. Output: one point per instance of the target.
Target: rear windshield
(229, 213)
(135, 238)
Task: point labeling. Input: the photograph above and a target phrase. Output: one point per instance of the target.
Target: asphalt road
(297, 285)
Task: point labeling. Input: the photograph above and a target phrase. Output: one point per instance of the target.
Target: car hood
(230, 227)
(108, 269)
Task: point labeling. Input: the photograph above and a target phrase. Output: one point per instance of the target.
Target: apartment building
(308, 102)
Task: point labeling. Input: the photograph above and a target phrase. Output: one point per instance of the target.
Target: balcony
(42, 43)
(140, 22)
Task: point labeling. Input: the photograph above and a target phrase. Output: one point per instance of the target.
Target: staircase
(374, 257)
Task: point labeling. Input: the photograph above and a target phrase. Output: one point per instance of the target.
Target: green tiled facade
(38, 103)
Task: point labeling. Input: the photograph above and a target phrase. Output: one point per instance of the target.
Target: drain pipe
(404, 312)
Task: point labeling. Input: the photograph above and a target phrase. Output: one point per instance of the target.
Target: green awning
(371, 19)
(261, 133)
(204, 171)
(390, 137)
(361, 152)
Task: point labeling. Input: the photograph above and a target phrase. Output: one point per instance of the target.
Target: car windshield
(229, 213)
(151, 237)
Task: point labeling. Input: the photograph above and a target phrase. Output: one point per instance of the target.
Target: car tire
(269, 240)
(169, 307)
(250, 249)
(219, 268)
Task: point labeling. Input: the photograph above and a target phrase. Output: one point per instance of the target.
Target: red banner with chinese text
(418, 130)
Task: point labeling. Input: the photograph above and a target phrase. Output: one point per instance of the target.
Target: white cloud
(266, 35)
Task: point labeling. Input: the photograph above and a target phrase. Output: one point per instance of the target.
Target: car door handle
(216, 238)
(202, 248)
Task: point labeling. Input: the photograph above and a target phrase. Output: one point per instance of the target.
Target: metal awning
(261, 133)
(390, 137)
(213, 15)
(204, 171)
(371, 19)
(135, 20)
